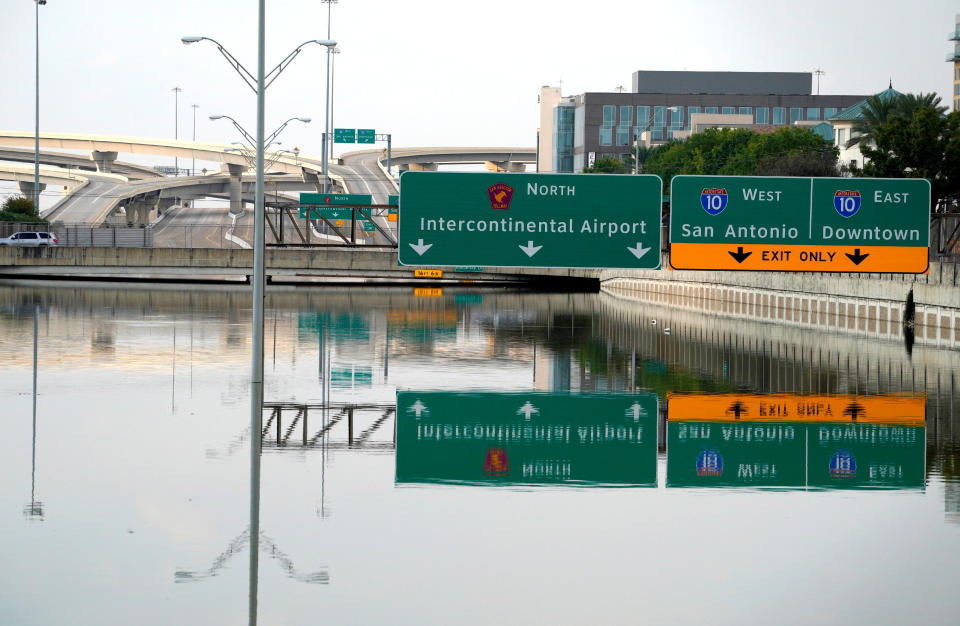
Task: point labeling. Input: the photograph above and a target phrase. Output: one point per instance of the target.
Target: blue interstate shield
(713, 201)
(709, 463)
(843, 465)
(847, 203)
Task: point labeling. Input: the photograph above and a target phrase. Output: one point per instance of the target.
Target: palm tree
(908, 103)
(876, 110)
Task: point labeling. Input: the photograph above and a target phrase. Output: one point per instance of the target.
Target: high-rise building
(954, 57)
(594, 125)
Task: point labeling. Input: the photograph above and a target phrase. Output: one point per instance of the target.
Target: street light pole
(193, 160)
(176, 125)
(327, 143)
(36, 139)
(256, 370)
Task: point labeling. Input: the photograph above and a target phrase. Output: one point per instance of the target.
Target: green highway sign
(394, 201)
(527, 438)
(530, 220)
(340, 217)
(366, 135)
(799, 224)
(336, 199)
(344, 135)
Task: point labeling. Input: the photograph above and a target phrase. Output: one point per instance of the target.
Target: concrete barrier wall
(937, 288)
(329, 261)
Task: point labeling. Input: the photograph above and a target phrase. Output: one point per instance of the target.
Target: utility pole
(193, 160)
(176, 124)
(819, 72)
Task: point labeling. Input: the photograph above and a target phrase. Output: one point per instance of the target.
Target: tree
(19, 209)
(925, 145)
(875, 112)
(784, 152)
(608, 165)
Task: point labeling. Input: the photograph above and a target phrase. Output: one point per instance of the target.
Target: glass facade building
(664, 103)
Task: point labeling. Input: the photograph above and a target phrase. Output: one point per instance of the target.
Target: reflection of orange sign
(798, 258)
(427, 293)
(898, 409)
(496, 463)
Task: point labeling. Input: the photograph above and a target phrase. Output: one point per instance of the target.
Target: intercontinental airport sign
(799, 224)
(527, 438)
(530, 220)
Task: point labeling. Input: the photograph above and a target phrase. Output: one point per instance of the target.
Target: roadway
(89, 204)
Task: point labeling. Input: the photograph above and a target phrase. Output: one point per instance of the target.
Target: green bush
(19, 209)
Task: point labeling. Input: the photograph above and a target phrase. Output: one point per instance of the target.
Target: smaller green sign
(366, 135)
(337, 199)
(468, 268)
(344, 135)
(394, 200)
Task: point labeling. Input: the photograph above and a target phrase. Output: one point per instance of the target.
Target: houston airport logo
(500, 196)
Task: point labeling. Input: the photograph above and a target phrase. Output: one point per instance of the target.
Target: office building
(594, 125)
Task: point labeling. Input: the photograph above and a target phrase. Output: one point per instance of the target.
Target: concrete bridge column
(104, 160)
(236, 189)
(505, 166)
(27, 188)
(422, 167)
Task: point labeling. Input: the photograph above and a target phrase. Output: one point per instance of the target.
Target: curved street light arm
(282, 65)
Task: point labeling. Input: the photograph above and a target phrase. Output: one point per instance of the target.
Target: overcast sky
(434, 72)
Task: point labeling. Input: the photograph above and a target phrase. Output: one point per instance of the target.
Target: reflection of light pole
(36, 139)
(35, 508)
(176, 125)
(259, 86)
(193, 160)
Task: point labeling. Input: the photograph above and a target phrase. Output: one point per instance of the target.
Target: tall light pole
(176, 125)
(36, 139)
(193, 160)
(259, 86)
(333, 74)
(327, 140)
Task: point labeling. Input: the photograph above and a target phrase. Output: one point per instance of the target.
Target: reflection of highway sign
(795, 441)
(344, 135)
(482, 438)
(905, 409)
(336, 199)
(530, 220)
(799, 224)
(366, 135)
(794, 455)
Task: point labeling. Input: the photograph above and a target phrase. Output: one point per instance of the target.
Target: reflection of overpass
(496, 159)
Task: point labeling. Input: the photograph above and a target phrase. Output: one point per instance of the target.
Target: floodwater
(468, 457)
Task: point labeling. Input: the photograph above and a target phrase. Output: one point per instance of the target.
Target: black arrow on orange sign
(856, 257)
(739, 255)
(854, 410)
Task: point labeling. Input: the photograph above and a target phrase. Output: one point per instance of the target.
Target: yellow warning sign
(893, 409)
(425, 273)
